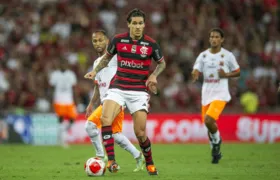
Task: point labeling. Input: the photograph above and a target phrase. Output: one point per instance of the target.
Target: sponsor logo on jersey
(144, 43)
(125, 40)
(133, 49)
(132, 64)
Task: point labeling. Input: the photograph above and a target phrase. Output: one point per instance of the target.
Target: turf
(188, 162)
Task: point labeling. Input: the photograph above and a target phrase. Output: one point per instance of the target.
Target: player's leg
(109, 112)
(203, 113)
(125, 143)
(92, 127)
(212, 114)
(138, 104)
(111, 106)
(62, 128)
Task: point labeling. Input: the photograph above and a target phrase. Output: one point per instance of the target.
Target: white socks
(124, 143)
(95, 138)
(215, 137)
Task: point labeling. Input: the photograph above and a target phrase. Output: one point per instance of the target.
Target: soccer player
(64, 82)
(134, 50)
(102, 82)
(217, 65)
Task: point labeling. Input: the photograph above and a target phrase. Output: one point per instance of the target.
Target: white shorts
(133, 100)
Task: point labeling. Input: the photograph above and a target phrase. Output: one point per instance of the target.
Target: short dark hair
(135, 13)
(218, 30)
(101, 31)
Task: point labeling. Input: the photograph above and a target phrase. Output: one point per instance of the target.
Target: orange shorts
(117, 123)
(214, 109)
(67, 111)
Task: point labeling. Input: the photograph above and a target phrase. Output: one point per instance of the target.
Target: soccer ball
(95, 167)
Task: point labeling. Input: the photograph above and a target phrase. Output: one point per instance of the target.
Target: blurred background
(34, 34)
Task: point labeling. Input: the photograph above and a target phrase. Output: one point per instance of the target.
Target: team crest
(221, 63)
(144, 51)
(211, 75)
(204, 55)
(222, 55)
(133, 49)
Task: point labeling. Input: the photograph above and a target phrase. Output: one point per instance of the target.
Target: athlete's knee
(118, 137)
(71, 121)
(60, 119)
(106, 120)
(208, 120)
(91, 129)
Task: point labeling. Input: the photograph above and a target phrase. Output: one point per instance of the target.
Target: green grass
(186, 162)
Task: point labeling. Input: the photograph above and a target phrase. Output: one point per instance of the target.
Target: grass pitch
(186, 162)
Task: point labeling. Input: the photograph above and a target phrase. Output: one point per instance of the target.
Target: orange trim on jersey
(237, 70)
(214, 109)
(160, 60)
(108, 53)
(116, 125)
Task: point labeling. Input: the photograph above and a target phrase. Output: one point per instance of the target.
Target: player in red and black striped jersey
(135, 51)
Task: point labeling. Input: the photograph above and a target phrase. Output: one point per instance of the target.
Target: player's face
(215, 39)
(99, 42)
(136, 27)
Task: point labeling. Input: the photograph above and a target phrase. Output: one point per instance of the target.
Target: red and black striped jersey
(134, 60)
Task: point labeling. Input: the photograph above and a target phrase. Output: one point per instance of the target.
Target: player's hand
(195, 75)
(90, 75)
(222, 73)
(89, 110)
(151, 83)
(152, 88)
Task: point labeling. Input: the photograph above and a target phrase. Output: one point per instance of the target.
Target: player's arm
(96, 95)
(161, 65)
(233, 66)
(232, 74)
(94, 98)
(159, 68)
(197, 68)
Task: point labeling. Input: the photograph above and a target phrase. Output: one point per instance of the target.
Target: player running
(134, 50)
(217, 65)
(93, 124)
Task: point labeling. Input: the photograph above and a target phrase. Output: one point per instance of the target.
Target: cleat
(112, 166)
(216, 153)
(140, 163)
(152, 170)
(104, 159)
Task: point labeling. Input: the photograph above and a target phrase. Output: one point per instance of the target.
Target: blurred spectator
(34, 33)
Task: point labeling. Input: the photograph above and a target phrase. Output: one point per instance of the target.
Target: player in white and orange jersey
(217, 65)
(102, 83)
(64, 81)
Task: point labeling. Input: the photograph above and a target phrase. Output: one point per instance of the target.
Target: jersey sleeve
(52, 79)
(233, 65)
(112, 47)
(74, 79)
(157, 53)
(198, 65)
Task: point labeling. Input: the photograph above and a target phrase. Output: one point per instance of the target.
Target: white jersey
(213, 87)
(63, 83)
(103, 77)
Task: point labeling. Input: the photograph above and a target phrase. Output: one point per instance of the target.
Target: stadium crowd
(35, 34)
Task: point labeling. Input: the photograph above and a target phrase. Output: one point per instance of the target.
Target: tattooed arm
(153, 77)
(160, 67)
(105, 59)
